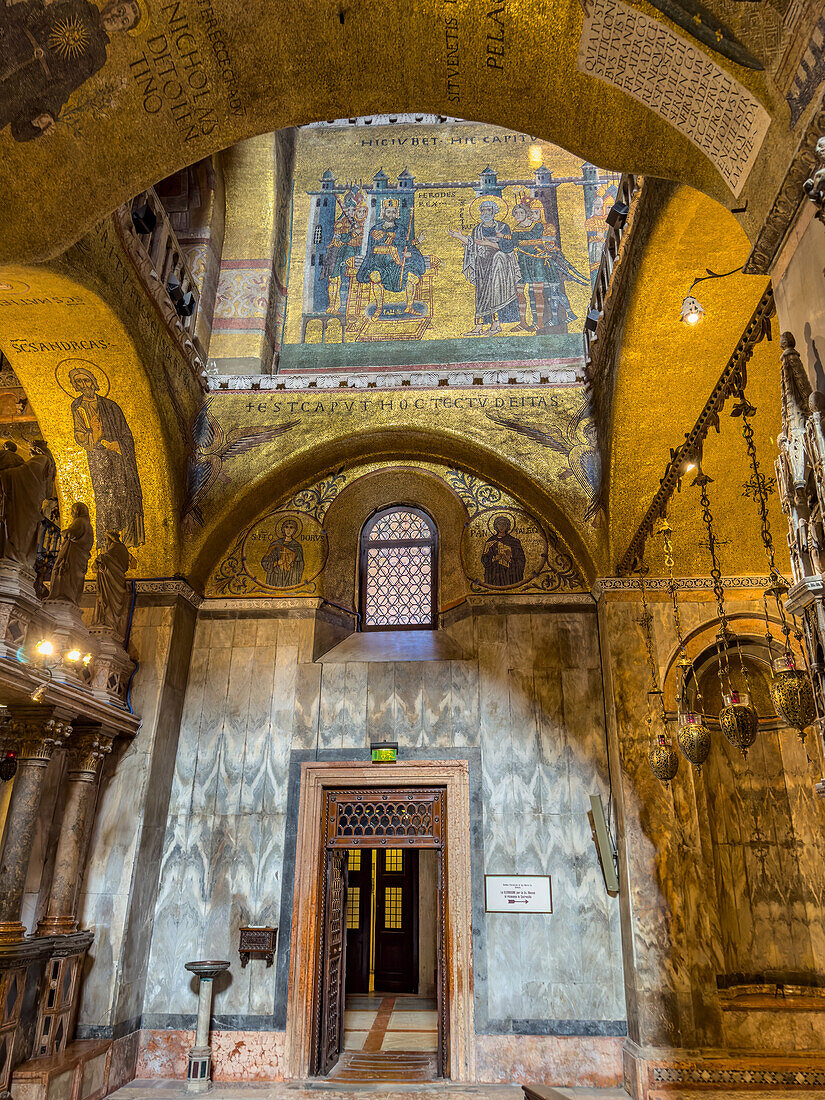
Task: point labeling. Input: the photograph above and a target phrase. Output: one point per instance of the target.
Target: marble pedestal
(198, 1074)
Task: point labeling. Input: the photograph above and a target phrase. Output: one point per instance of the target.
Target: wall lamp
(45, 657)
(692, 310)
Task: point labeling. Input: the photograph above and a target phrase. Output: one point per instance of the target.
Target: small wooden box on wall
(259, 942)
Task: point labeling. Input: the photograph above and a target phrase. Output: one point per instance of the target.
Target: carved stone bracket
(788, 200)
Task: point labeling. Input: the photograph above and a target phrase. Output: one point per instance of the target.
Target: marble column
(85, 753)
(37, 733)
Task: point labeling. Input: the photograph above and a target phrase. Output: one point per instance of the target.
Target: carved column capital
(37, 733)
(85, 751)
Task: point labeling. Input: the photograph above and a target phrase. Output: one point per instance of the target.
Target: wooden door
(396, 921)
(359, 900)
(334, 961)
(443, 1056)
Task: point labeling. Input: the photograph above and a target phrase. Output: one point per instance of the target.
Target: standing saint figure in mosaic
(491, 267)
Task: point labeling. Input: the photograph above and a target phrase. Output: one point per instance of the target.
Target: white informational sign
(518, 894)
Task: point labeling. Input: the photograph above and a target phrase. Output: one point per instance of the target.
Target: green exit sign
(384, 754)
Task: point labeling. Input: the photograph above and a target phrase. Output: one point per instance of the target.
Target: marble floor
(308, 1090)
(391, 1023)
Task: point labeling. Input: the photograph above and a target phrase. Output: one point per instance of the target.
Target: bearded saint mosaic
(101, 429)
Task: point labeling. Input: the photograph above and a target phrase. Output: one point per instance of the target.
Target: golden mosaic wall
(90, 394)
(383, 245)
(284, 551)
(253, 449)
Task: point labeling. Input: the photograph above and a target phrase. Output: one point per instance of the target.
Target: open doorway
(390, 991)
(382, 1012)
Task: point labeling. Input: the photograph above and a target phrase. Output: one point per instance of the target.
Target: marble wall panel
(119, 890)
(255, 697)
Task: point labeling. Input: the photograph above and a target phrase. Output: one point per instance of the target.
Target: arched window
(398, 570)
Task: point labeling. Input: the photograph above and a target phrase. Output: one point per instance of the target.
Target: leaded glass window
(398, 563)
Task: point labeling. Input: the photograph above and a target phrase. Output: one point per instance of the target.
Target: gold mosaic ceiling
(172, 82)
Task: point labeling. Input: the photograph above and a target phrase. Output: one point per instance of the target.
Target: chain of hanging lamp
(693, 736)
(791, 687)
(662, 756)
(737, 717)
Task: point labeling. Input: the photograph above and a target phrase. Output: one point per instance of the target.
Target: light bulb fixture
(535, 156)
(87, 659)
(44, 648)
(73, 655)
(38, 694)
(692, 310)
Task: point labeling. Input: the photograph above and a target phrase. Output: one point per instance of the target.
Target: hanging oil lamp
(737, 718)
(662, 756)
(791, 688)
(692, 734)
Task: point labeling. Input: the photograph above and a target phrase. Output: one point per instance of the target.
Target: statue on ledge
(23, 487)
(73, 557)
(112, 604)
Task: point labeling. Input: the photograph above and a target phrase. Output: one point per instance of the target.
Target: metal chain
(723, 666)
(667, 544)
(747, 411)
(646, 623)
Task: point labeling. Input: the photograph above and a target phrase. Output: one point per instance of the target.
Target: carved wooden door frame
(303, 1005)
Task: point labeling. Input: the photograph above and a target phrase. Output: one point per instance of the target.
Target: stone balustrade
(629, 188)
(153, 248)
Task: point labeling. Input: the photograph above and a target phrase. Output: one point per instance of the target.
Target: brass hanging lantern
(663, 758)
(8, 766)
(792, 694)
(694, 738)
(738, 719)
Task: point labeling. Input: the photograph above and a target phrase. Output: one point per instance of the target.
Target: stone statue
(814, 187)
(816, 539)
(796, 390)
(23, 487)
(9, 458)
(112, 604)
(73, 557)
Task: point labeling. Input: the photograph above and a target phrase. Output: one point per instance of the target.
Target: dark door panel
(396, 921)
(359, 900)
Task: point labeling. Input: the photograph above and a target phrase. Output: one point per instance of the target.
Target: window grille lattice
(399, 586)
(392, 908)
(395, 860)
(354, 861)
(386, 819)
(400, 525)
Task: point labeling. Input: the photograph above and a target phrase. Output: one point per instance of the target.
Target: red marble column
(36, 733)
(85, 751)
